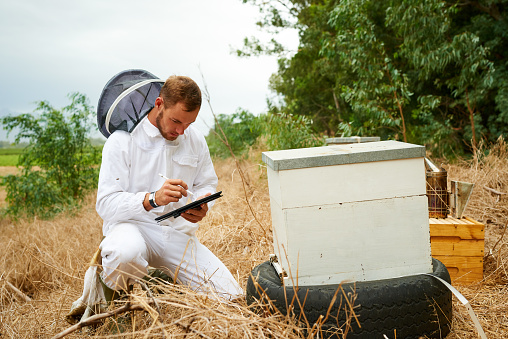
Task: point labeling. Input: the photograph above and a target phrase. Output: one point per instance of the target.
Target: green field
(9, 156)
(8, 159)
(11, 151)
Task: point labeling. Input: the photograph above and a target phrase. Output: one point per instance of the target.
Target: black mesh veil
(126, 99)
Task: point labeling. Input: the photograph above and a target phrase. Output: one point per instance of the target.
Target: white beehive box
(353, 212)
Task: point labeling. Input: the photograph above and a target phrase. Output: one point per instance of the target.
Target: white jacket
(131, 163)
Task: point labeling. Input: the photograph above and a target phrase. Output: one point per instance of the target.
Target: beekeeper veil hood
(126, 99)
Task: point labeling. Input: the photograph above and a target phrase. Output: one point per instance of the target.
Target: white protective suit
(131, 163)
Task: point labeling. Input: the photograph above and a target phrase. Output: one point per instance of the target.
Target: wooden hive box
(353, 212)
(459, 245)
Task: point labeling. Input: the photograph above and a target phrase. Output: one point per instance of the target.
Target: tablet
(176, 213)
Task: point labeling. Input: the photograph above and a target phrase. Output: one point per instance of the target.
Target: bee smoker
(442, 202)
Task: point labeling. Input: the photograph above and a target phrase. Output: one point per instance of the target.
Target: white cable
(464, 301)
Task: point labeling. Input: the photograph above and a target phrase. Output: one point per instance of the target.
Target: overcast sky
(54, 47)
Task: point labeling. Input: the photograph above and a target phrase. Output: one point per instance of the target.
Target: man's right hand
(171, 191)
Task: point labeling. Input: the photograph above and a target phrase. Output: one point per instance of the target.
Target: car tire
(406, 307)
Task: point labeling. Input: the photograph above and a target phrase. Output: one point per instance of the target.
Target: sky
(51, 48)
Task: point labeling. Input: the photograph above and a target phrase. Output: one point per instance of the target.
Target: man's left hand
(196, 215)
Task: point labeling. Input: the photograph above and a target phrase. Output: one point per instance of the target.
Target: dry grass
(46, 260)
(488, 298)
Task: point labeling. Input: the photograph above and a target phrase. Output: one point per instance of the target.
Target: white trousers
(128, 249)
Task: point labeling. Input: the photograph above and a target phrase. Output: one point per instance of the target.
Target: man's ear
(159, 102)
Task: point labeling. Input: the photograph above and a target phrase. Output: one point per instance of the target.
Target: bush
(280, 130)
(241, 129)
(287, 131)
(59, 165)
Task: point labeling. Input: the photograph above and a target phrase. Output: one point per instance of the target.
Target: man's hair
(182, 89)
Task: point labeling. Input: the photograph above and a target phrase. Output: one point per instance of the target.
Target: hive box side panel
(358, 241)
(459, 245)
(463, 270)
(462, 229)
(456, 247)
(274, 187)
(280, 244)
(347, 183)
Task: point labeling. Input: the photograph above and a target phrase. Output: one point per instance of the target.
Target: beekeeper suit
(132, 192)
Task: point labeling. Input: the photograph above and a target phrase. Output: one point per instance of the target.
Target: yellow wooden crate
(459, 245)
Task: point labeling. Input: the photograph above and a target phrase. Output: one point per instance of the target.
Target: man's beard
(159, 127)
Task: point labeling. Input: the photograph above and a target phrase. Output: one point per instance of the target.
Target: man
(131, 194)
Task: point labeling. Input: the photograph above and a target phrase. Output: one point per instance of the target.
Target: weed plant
(59, 165)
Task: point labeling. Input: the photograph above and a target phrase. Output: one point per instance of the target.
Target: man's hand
(196, 214)
(171, 191)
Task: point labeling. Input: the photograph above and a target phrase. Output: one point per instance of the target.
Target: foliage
(377, 90)
(426, 71)
(287, 131)
(241, 129)
(306, 80)
(59, 164)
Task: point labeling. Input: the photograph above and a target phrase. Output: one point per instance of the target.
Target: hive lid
(341, 154)
(350, 140)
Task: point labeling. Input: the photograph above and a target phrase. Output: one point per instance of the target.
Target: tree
(426, 71)
(471, 75)
(306, 80)
(377, 90)
(59, 165)
(487, 19)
